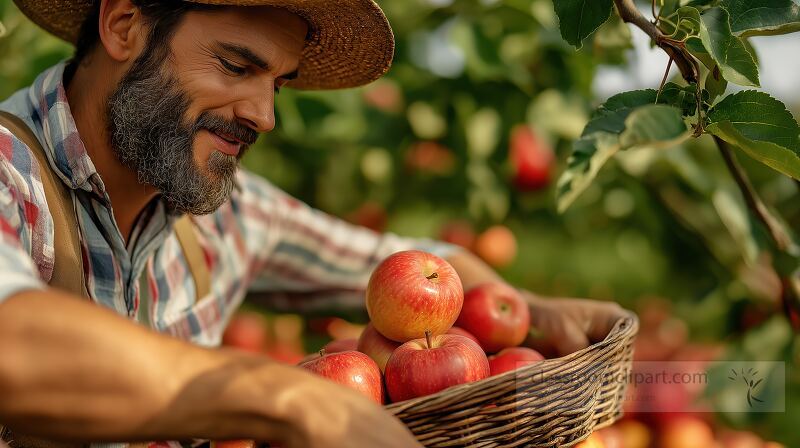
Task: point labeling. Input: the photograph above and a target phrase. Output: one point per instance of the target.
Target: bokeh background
(464, 140)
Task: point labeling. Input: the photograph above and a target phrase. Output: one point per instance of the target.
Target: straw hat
(349, 43)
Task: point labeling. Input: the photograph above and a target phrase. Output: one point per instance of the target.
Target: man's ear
(120, 29)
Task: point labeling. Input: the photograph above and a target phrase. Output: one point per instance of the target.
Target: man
(147, 123)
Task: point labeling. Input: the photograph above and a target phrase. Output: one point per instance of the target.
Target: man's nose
(257, 111)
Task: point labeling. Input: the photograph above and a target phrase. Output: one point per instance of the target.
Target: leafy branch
(704, 39)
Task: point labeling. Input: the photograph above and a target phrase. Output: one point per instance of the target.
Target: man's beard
(152, 135)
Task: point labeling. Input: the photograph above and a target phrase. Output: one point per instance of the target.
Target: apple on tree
(496, 314)
(497, 246)
(425, 366)
(531, 158)
(412, 292)
(351, 369)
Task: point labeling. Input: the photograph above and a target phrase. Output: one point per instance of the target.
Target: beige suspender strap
(68, 264)
(184, 230)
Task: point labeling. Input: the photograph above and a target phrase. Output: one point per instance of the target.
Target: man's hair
(162, 16)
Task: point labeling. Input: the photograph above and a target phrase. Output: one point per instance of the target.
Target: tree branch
(677, 51)
(790, 296)
(780, 238)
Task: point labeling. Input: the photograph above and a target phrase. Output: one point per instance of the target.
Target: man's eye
(233, 68)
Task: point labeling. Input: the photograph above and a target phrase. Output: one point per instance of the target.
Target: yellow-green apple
(376, 346)
(512, 358)
(594, 441)
(531, 158)
(496, 314)
(412, 292)
(497, 246)
(247, 332)
(686, 432)
(341, 345)
(635, 434)
(427, 365)
(234, 444)
(351, 369)
(462, 332)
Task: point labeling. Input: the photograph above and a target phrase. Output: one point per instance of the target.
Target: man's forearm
(471, 269)
(72, 370)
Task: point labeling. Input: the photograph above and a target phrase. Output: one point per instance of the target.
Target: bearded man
(144, 127)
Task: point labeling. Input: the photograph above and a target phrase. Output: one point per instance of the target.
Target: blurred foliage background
(429, 146)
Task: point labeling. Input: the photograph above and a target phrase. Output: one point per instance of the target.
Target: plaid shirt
(261, 236)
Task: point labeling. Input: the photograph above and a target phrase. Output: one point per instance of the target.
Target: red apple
(459, 233)
(430, 157)
(531, 158)
(497, 246)
(740, 439)
(371, 215)
(351, 369)
(496, 314)
(247, 332)
(341, 345)
(412, 292)
(462, 332)
(376, 346)
(426, 366)
(513, 358)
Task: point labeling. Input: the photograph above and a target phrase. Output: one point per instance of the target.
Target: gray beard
(150, 135)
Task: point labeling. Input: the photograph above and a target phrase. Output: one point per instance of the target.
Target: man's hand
(563, 326)
(327, 415)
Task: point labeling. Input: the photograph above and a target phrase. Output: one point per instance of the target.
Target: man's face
(182, 119)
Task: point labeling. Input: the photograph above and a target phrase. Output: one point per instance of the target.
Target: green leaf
(761, 127)
(589, 155)
(763, 17)
(654, 125)
(715, 84)
(735, 62)
(625, 121)
(579, 18)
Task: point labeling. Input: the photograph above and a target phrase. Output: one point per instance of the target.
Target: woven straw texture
(350, 42)
(555, 403)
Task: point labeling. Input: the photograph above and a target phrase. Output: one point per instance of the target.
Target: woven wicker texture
(350, 42)
(555, 403)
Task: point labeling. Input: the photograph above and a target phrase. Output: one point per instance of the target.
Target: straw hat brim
(349, 44)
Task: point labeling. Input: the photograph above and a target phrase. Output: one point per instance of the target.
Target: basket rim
(626, 326)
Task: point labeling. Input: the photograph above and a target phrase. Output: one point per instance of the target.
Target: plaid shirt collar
(65, 149)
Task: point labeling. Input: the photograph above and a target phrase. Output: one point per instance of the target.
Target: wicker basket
(555, 403)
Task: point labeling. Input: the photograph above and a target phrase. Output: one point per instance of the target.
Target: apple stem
(428, 338)
(432, 276)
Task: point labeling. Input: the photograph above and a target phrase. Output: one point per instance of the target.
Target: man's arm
(72, 370)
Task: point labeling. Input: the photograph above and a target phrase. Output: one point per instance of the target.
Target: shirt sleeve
(18, 214)
(311, 251)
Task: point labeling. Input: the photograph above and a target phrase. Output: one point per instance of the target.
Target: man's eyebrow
(247, 54)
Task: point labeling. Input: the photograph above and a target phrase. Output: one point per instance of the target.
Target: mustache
(221, 125)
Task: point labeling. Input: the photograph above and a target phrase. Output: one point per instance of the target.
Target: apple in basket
(496, 314)
(513, 358)
(412, 292)
(376, 346)
(425, 366)
(341, 345)
(351, 369)
(462, 332)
